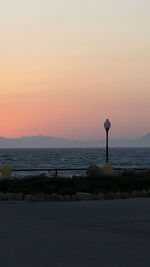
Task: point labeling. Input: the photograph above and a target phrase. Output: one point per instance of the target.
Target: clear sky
(67, 65)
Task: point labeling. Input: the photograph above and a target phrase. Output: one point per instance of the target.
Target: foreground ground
(111, 233)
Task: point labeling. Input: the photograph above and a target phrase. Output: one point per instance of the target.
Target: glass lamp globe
(107, 124)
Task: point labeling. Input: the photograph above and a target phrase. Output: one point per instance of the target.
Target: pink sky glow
(71, 65)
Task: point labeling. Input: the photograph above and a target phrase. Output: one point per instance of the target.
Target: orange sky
(67, 66)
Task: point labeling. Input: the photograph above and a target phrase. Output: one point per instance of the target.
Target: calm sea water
(73, 158)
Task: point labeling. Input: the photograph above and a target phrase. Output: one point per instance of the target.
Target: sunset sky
(67, 65)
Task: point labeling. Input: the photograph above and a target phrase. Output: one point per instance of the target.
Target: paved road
(113, 233)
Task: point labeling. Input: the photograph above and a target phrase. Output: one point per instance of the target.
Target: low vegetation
(63, 186)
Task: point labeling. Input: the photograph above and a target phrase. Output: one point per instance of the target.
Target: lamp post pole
(106, 146)
(107, 126)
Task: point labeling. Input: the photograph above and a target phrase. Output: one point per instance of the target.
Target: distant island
(41, 141)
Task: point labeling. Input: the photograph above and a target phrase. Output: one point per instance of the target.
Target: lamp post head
(107, 125)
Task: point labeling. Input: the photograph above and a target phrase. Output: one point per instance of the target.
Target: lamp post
(107, 126)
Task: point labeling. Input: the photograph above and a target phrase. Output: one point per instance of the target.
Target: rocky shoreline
(79, 196)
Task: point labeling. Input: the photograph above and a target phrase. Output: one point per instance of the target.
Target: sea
(67, 158)
(26, 159)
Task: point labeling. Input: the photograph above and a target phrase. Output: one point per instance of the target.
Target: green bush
(105, 184)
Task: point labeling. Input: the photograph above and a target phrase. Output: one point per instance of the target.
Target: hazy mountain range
(41, 141)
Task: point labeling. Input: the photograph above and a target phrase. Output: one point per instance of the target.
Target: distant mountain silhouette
(146, 137)
(145, 140)
(41, 141)
(38, 141)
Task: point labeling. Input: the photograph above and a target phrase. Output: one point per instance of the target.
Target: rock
(134, 194)
(1, 195)
(74, 198)
(122, 195)
(125, 195)
(83, 196)
(19, 196)
(28, 198)
(142, 194)
(54, 197)
(48, 197)
(11, 196)
(139, 194)
(6, 196)
(39, 197)
(42, 197)
(35, 198)
(94, 197)
(118, 195)
(148, 192)
(100, 196)
(61, 198)
(110, 196)
(93, 170)
(68, 197)
(145, 193)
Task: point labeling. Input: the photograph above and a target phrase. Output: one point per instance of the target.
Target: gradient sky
(67, 65)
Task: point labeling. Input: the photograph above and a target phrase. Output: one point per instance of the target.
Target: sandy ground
(73, 234)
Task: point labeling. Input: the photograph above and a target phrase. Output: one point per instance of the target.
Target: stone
(6, 196)
(83, 196)
(144, 193)
(1, 195)
(100, 196)
(134, 194)
(42, 197)
(19, 196)
(123, 195)
(110, 196)
(54, 197)
(39, 197)
(34, 198)
(74, 198)
(61, 198)
(13, 196)
(28, 198)
(139, 194)
(94, 196)
(93, 170)
(118, 195)
(10, 196)
(68, 197)
(48, 197)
